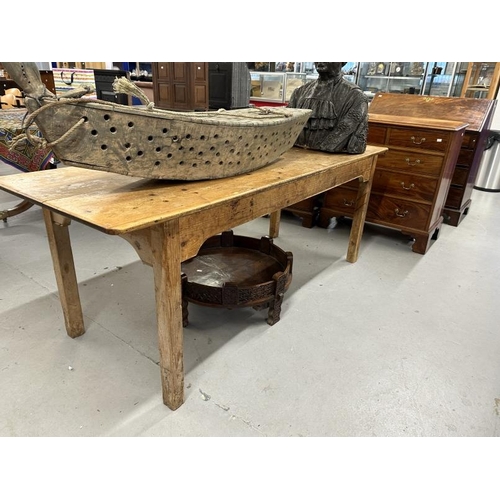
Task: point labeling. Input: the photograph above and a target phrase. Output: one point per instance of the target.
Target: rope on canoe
(40, 142)
(120, 86)
(123, 85)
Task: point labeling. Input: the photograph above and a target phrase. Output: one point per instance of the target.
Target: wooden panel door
(199, 70)
(181, 86)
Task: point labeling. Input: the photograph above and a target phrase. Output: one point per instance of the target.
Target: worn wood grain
(64, 270)
(166, 253)
(167, 222)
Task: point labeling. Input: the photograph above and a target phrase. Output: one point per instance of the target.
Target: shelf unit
(398, 77)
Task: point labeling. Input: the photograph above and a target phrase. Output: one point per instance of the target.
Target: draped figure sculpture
(339, 119)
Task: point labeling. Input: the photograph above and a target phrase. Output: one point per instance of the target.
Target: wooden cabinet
(411, 180)
(477, 113)
(307, 210)
(47, 78)
(481, 80)
(181, 86)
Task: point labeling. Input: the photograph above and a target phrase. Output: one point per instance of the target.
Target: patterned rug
(25, 156)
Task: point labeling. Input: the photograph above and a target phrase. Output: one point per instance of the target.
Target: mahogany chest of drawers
(411, 179)
(477, 113)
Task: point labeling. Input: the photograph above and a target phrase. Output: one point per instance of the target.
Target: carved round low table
(232, 271)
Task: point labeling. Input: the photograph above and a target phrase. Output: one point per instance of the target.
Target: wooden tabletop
(119, 204)
(167, 222)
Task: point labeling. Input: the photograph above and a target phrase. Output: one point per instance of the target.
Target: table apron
(196, 228)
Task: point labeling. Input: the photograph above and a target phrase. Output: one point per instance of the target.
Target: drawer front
(469, 140)
(401, 184)
(341, 198)
(406, 214)
(460, 176)
(465, 157)
(410, 161)
(454, 198)
(376, 134)
(434, 140)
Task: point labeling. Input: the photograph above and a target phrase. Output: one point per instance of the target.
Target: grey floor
(397, 344)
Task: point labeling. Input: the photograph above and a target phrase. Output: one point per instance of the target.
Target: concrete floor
(397, 344)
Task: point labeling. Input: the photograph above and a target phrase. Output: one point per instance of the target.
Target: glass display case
(459, 79)
(293, 81)
(481, 80)
(394, 77)
(439, 78)
(274, 87)
(266, 86)
(350, 70)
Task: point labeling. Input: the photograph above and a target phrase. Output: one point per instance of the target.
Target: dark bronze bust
(339, 119)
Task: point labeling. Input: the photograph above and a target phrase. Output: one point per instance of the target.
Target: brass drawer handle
(412, 163)
(409, 187)
(404, 214)
(420, 141)
(348, 203)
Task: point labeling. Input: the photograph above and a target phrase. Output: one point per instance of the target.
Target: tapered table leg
(274, 224)
(358, 221)
(166, 255)
(64, 269)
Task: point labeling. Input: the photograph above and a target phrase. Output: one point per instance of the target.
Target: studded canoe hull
(160, 144)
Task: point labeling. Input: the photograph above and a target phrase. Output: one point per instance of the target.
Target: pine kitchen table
(167, 222)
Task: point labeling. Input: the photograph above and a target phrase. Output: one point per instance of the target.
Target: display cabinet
(293, 81)
(481, 80)
(459, 79)
(477, 113)
(444, 79)
(439, 78)
(350, 70)
(274, 87)
(398, 77)
(267, 86)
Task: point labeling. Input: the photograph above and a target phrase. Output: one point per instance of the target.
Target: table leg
(18, 209)
(64, 269)
(166, 256)
(274, 224)
(358, 220)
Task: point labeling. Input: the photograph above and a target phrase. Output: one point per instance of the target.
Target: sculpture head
(329, 68)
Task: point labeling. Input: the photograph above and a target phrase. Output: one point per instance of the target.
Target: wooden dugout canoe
(155, 143)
